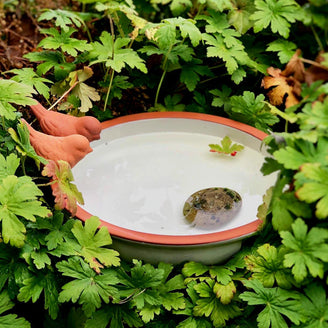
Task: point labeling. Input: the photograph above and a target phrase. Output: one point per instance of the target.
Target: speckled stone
(212, 207)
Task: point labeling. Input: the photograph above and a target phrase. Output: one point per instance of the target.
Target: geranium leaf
(18, 198)
(93, 244)
(284, 48)
(10, 320)
(115, 54)
(28, 77)
(226, 147)
(306, 250)
(33, 288)
(65, 192)
(316, 190)
(267, 266)
(63, 41)
(63, 18)
(12, 92)
(22, 139)
(88, 288)
(8, 165)
(278, 14)
(51, 60)
(278, 303)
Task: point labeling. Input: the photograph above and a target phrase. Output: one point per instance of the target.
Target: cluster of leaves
(66, 269)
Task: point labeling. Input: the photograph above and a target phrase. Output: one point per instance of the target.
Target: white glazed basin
(145, 166)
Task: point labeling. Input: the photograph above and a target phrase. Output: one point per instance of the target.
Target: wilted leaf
(283, 90)
(65, 192)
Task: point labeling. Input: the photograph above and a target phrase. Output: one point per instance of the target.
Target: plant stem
(109, 87)
(314, 63)
(316, 36)
(63, 95)
(163, 75)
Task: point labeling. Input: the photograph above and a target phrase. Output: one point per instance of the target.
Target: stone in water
(212, 207)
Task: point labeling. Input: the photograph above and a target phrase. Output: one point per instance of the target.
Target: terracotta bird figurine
(61, 125)
(69, 148)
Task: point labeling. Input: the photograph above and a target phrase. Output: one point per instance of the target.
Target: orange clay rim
(216, 237)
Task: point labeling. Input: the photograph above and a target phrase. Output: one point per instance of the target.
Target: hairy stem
(163, 76)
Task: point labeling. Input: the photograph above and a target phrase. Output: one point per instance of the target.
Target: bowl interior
(141, 172)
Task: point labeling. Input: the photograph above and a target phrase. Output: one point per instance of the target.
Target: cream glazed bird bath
(145, 166)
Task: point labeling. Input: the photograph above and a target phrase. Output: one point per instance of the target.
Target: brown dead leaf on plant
(284, 87)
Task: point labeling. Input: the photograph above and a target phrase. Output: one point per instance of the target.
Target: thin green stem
(119, 27)
(286, 126)
(23, 165)
(163, 76)
(316, 36)
(109, 87)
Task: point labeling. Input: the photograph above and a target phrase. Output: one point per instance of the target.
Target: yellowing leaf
(225, 292)
(65, 192)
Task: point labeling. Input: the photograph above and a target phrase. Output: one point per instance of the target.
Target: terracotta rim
(216, 237)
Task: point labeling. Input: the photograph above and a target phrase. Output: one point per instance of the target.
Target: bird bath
(144, 168)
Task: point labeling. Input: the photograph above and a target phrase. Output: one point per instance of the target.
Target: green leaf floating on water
(226, 147)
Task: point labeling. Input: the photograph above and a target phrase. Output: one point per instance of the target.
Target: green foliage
(176, 55)
(278, 303)
(226, 147)
(276, 13)
(115, 54)
(28, 77)
(87, 288)
(10, 320)
(18, 199)
(63, 18)
(307, 250)
(12, 92)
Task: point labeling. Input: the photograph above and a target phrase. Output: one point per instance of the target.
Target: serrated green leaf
(40, 283)
(28, 77)
(316, 190)
(22, 139)
(285, 49)
(301, 152)
(115, 54)
(315, 306)
(148, 313)
(18, 198)
(88, 288)
(284, 205)
(93, 244)
(115, 316)
(252, 110)
(63, 18)
(278, 303)
(226, 147)
(267, 266)
(232, 57)
(51, 60)
(221, 274)
(194, 268)
(276, 13)
(12, 92)
(8, 165)
(306, 250)
(191, 72)
(63, 41)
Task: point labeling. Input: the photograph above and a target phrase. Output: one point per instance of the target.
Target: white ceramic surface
(141, 172)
